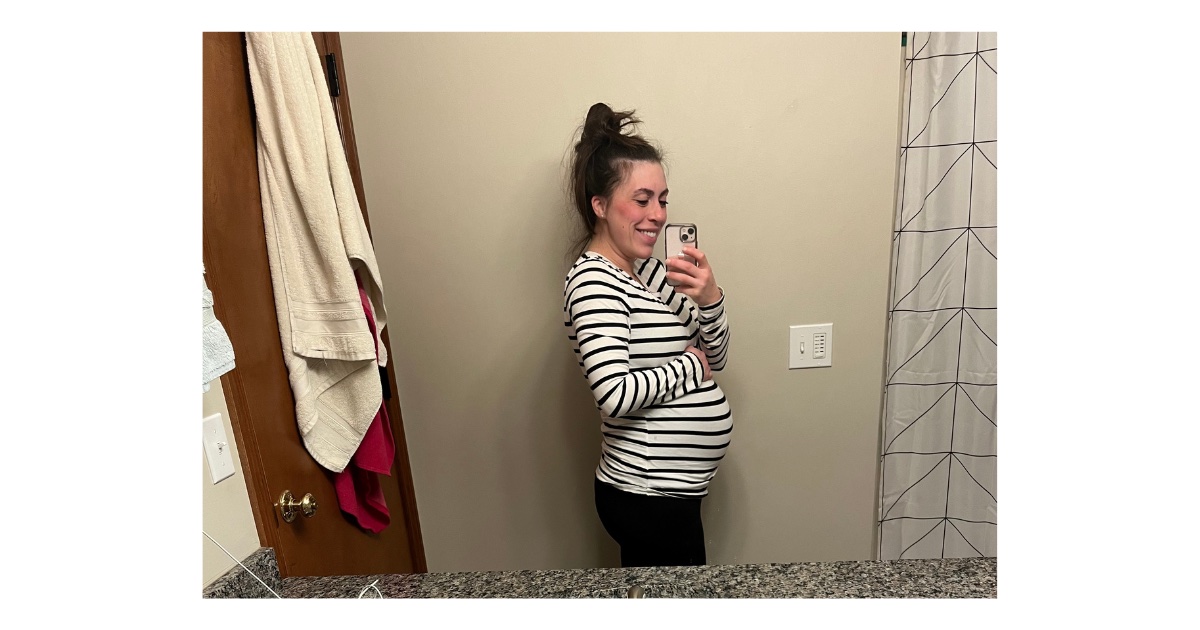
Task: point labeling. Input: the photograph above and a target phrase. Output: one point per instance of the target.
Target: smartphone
(676, 236)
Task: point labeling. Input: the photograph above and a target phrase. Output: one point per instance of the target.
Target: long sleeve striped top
(664, 429)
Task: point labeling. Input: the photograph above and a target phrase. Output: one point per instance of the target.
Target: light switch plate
(217, 449)
(805, 345)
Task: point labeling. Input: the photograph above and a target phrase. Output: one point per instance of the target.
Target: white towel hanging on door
(316, 242)
(218, 351)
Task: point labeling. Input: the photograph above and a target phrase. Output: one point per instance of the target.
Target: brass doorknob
(288, 506)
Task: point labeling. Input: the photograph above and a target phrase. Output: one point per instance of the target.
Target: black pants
(652, 531)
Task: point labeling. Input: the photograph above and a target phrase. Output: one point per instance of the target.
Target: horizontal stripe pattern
(664, 428)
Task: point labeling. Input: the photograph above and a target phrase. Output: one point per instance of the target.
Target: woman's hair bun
(603, 123)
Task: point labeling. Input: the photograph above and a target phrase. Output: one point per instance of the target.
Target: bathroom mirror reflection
(834, 178)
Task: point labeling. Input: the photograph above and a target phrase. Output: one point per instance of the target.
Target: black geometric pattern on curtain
(938, 461)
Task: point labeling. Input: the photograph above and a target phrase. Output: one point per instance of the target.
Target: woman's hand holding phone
(693, 280)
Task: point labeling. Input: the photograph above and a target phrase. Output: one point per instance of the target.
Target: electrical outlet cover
(217, 449)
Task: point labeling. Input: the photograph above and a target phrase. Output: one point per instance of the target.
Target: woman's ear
(598, 206)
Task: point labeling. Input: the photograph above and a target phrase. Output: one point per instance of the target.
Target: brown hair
(601, 160)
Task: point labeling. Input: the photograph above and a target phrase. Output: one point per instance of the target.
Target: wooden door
(261, 407)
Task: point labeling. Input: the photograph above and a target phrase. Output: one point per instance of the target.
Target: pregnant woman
(646, 348)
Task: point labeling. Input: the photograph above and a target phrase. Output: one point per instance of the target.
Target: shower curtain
(937, 481)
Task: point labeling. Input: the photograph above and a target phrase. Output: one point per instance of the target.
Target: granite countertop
(950, 578)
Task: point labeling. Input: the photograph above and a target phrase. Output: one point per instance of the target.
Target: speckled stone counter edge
(950, 578)
(937, 579)
(238, 584)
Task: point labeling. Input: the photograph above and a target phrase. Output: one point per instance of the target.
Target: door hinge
(335, 90)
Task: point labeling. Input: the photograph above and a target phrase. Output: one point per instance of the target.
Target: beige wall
(781, 147)
(227, 515)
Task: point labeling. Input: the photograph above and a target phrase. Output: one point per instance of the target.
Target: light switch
(217, 449)
(810, 346)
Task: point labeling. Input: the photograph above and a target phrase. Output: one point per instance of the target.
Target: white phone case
(675, 236)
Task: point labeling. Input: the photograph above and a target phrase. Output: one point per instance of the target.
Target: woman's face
(634, 214)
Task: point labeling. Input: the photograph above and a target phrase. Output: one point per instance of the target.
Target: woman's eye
(642, 202)
(664, 203)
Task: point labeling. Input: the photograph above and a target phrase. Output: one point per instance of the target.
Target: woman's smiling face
(634, 214)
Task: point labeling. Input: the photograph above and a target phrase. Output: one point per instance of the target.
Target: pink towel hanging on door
(359, 492)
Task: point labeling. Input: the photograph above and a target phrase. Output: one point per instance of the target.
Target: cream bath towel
(316, 242)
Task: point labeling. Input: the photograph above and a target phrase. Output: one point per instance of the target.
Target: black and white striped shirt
(664, 429)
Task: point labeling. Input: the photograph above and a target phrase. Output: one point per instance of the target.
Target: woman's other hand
(703, 361)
